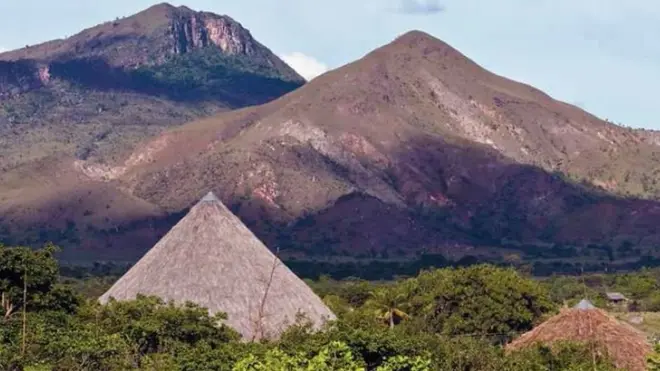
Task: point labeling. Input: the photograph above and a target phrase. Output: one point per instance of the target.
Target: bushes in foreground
(447, 319)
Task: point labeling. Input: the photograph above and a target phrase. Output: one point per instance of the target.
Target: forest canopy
(441, 319)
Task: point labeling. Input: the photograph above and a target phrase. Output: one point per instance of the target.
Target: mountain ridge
(175, 30)
(412, 148)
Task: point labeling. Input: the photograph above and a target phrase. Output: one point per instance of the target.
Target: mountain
(98, 93)
(412, 149)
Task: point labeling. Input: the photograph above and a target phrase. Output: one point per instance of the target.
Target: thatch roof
(211, 258)
(623, 344)
(585, 304)
(615, 296)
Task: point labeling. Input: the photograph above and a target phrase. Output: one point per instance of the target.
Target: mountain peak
(153, 36)
(415, 36)
(161, 6)
(419, 40)
(166, 9)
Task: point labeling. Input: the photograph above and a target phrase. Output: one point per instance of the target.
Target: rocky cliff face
(199, 30)
(195, 30)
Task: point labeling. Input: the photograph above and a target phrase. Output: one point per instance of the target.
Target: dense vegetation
(374, 269)
(203, 74)
(641, 286)
(441, 319)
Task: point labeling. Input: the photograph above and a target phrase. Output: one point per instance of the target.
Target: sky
(602, 55)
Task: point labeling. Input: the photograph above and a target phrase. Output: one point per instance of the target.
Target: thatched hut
(212, 259)
(623, 344)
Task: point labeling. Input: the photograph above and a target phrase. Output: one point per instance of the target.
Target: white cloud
(306, 66)
(421, 7)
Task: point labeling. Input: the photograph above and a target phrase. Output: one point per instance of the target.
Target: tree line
(441, 319)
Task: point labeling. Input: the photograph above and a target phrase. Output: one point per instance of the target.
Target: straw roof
(626, 346)
(585, 304)
(616, 296)
(211, 258)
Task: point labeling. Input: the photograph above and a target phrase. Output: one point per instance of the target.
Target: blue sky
(602, 55)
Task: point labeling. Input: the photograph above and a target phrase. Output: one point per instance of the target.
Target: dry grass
(211, 258)
(625, 345)
(650, 322)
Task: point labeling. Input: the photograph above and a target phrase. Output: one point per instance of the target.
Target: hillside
(96, 94)
(412, 149)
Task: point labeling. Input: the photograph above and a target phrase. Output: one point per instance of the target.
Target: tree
(37, 272)
(85, 347)
(335, 356)
(387, 303)
(145, 332)
(152, 326)
(638, 285)
(468, 304)
(405, 363)
(481, 299)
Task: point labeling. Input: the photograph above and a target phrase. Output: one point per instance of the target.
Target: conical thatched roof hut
(626, 346)
(212, 259)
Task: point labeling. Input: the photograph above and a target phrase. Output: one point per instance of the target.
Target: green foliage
(145, 332)
(478, 300)
(208, 74)
(653, 361)
(441, 320)
(405, 363)
(335, 356)
(85, 347)
(641, 287)
(652, 303)
(355, 292)
(562, 356)
(374, 270)
(153, 326)
(388, 303)
(36, 271)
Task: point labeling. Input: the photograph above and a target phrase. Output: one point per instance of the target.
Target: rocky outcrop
(190, 30)
(199, 30)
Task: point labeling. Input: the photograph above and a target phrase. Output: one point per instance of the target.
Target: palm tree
(388, 302)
